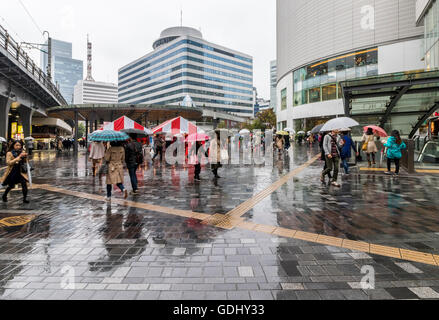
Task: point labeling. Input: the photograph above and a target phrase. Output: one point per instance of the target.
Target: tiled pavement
(122, 252)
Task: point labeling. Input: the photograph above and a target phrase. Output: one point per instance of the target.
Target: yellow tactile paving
(331, 241)
(418, 256)
(385, 251)
(428, 171)
(246, 206)
(311, 237)
(282, 232)
(229, 222)
(356, 245)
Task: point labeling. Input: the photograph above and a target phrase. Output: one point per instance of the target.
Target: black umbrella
(137, 131)
(317, 128)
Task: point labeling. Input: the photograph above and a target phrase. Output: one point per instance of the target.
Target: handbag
(104, 168)
(24, 167)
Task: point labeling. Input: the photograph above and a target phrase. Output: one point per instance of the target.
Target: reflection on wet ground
(123, 252)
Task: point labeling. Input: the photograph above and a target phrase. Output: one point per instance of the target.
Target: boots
(370, 164)
(5, 195)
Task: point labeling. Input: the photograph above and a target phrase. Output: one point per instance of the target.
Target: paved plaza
(258, 233)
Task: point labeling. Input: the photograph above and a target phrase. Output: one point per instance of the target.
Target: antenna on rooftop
(181, 18)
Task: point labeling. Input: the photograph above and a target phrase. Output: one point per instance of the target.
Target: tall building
(427, 15)
(92, 92)
(182, 64)
(66, 71)
(321, 43)
(273, 83)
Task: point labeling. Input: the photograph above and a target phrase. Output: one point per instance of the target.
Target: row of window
(180, 83)
(189, 90)
(177, 44)
(184, 58)
(182, 50)
(319, 82)
(185, 74)
(187, 49)
(175, 100)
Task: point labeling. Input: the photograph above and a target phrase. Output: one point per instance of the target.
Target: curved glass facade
(320, 81)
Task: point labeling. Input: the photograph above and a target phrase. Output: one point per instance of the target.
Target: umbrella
(376, 129)
(143, 133)
(197, 137)
(29, 138)
(244, 131)
(3, 139)
(301, 132)
(108, 136)
(282, 133)
(317, 129)
(339, 123)
(289, 130)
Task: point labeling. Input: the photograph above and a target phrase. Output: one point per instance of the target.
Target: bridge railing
(13, 48)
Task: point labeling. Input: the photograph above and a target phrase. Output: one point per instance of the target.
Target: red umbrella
(197, 137)
(381, 132)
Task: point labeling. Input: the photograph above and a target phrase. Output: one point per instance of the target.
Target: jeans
(110, 187)
(133, 177)
(389, 164)
(332, 165)
(197, 170)
(345, 164)
(159, 150)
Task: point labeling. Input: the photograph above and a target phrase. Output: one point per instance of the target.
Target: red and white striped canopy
(177, 126)
(123, 123)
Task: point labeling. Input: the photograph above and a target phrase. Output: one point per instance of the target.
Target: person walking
(345, 153)
(15, 160)
(97, 153)
(369, 146)
(30, 146)
(133, 159)
(215, 155)
(115, 157)
(159, 144)
(323, 156)
(280, 144)
(331, 145)
(394, 147)
(199, 150)
(287, 142)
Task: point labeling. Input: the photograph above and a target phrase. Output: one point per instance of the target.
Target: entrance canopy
(123, 123)
(399, 101)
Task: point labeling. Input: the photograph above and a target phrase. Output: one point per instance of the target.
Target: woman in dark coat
(15, 159)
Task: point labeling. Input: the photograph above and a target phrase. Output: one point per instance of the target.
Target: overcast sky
(122, 31)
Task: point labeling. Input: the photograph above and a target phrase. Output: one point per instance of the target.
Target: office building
(427, 16)
(182, 64)
(273, 83)
(322, 43)
(66, 71)
(92, 92)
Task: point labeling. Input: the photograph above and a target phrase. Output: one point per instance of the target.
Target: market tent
(123, 123)
(177, 126)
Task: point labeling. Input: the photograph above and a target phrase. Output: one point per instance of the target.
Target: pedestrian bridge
(24, 88)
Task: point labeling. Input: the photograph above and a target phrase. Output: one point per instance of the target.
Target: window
(329, 92)
(314, 95)
(283, 99)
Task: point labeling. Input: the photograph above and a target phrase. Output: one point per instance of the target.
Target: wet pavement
(148, 249)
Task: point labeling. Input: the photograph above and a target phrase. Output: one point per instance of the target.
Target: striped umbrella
(108, 136)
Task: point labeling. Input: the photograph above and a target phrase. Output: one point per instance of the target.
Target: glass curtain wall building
(182, 64)
(273, 81)
(66, 71)
(428, 15)
(322, 43)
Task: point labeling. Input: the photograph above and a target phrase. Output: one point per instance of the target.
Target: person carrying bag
(394, 147)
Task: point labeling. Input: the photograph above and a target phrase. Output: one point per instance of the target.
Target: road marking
(246, 206)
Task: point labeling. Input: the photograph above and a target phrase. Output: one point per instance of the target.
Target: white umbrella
(29, 138)
(339, 123)
(289, 130)
(3, 139)
(301, 132)
(244, 131)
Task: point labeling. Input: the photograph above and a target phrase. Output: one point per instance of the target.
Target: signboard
(16, 221)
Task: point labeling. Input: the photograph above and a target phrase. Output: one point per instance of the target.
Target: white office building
(92, 92)
(273, 83)
(183, 64)
(322, 43)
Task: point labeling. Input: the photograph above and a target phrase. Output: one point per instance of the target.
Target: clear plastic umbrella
(339, 123)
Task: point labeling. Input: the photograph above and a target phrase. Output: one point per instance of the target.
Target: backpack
(139, 154)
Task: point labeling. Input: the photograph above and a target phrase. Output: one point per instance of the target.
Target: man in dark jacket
(133, 159)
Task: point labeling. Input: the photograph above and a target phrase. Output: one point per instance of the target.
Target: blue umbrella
(108, 136)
